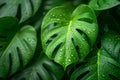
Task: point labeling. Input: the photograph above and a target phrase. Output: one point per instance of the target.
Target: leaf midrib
(67, 38)
(98, 64)
(10, 43)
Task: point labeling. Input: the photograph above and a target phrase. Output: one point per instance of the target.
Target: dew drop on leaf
(60, 55)
(88, 32)
(61, 50)
(69, 60)
(71, 55)
(84, 29)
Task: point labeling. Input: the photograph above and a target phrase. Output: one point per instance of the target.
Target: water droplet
(84, 29)
(60, 55)
(88, 32)
(61, 50)
(69, 60)
(53, 15)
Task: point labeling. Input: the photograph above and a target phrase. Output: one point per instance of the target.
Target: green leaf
(16, 46)
(103, 4)
(105, 65)
(24, 8)
(42, 69)
(67, 35)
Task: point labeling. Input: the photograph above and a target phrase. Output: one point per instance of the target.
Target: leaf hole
(46, 66)
(86, 20)
(84, 35)
(78, 50)
(98, 3)
(39, 76)
(82, 75)
(51, 38)
(10, 63)
(56, 50)
(53, 25)
(73, 42)
(20, 57)
(18, 15)
(27, 44)
(113, 77)
(32, 6)
(76, 47)
(71, 71)
(1, 5)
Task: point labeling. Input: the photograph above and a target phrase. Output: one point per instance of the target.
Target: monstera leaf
(67, 36)
(104, 66)
(103, 4)
(16, 46)
(24, 8)
(41, 69)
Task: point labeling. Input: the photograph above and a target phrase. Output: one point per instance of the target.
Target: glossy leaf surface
(67, 35)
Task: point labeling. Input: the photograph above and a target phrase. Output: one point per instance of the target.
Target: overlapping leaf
(67, 35)
(17, 46)
(103, 4)
(24, 8)
(42, 69)
(104, 66)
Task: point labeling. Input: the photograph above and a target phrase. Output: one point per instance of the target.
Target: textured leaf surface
(104, 66)
(42, 69)
(24, 8)
(103, 4)
(16, 46)
(67, 35)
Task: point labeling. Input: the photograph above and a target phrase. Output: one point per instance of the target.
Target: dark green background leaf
(103, 4)
(105, 65)
(42, 69)
(16, 46)
(24, 8)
